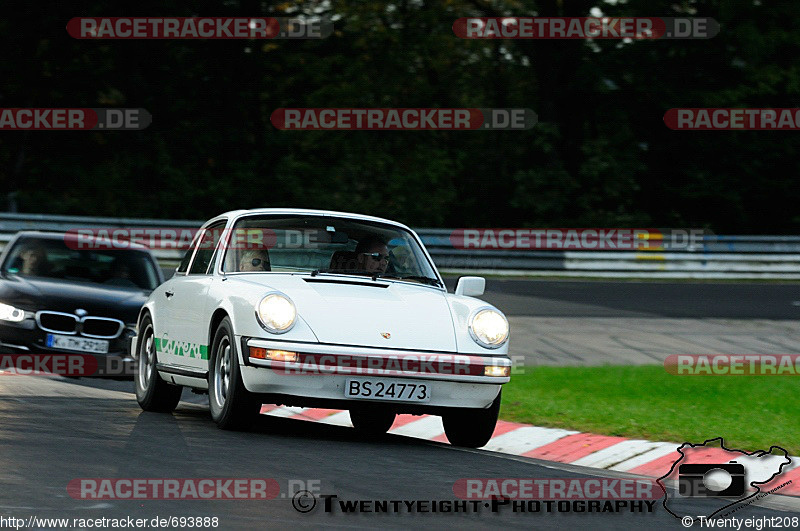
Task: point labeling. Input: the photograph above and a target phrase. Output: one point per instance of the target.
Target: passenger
(403, 260)
(254, 260)
(121, 270)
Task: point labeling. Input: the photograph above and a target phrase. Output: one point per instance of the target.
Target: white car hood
(341, 312)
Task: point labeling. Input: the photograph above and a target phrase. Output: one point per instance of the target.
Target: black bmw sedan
(61, 297)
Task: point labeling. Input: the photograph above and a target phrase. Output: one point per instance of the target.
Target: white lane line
(651, 455)
(617, 453)
(525, 439)
(338, 419)
(424, 428)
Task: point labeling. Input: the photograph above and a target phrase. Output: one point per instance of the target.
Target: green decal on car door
(181, 348)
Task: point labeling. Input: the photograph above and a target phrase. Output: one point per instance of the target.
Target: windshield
(52, 258)
(316, 244)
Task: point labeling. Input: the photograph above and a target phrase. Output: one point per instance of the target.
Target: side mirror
(471, 286)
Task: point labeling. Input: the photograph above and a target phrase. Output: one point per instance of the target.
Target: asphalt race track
(55, 431)
(589, 298)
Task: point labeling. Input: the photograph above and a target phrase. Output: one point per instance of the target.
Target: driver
(372, 255)
(34, 260)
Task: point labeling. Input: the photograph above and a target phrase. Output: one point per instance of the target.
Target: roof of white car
(309, 212)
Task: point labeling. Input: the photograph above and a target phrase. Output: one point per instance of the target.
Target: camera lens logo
(726, 478)
(718, 480)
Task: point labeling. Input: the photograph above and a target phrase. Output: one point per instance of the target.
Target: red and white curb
(634, 456)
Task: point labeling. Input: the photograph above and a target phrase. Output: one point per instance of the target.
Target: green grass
(749, 412)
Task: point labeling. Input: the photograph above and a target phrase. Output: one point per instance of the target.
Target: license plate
(82, 344)
(387, 389)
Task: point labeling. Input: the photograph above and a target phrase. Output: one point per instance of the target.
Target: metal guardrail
(10, 224)
(746, 257)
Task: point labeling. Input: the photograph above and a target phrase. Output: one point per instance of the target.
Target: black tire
(471, 427)
(232, 406)
(372, 421)
(152, 393)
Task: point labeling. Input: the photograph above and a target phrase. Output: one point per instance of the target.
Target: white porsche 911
(322, 309)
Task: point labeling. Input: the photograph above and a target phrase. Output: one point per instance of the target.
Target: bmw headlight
(276, 313)
(488, 327)
(10, 313)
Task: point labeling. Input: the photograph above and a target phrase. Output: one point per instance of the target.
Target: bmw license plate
(81, 344)
(387, 389)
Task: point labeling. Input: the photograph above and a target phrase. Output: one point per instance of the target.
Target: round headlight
(489, 328)
(276, 313)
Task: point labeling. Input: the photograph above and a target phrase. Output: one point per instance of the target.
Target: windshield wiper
(376, 276)
(419, 278)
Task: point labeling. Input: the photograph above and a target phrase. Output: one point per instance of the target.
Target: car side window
(184, 265)
(206, 249)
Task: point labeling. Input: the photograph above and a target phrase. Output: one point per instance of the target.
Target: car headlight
(10, 313)
(488, 327)
(276, 313)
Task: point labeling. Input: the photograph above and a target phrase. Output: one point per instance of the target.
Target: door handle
(169, 293)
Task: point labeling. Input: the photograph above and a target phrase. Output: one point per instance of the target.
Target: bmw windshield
(54, 258)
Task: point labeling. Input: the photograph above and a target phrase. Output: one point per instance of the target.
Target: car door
(165, 309)
(189, 304)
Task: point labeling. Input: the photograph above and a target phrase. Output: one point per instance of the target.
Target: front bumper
(320, 375)
(25, 338)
